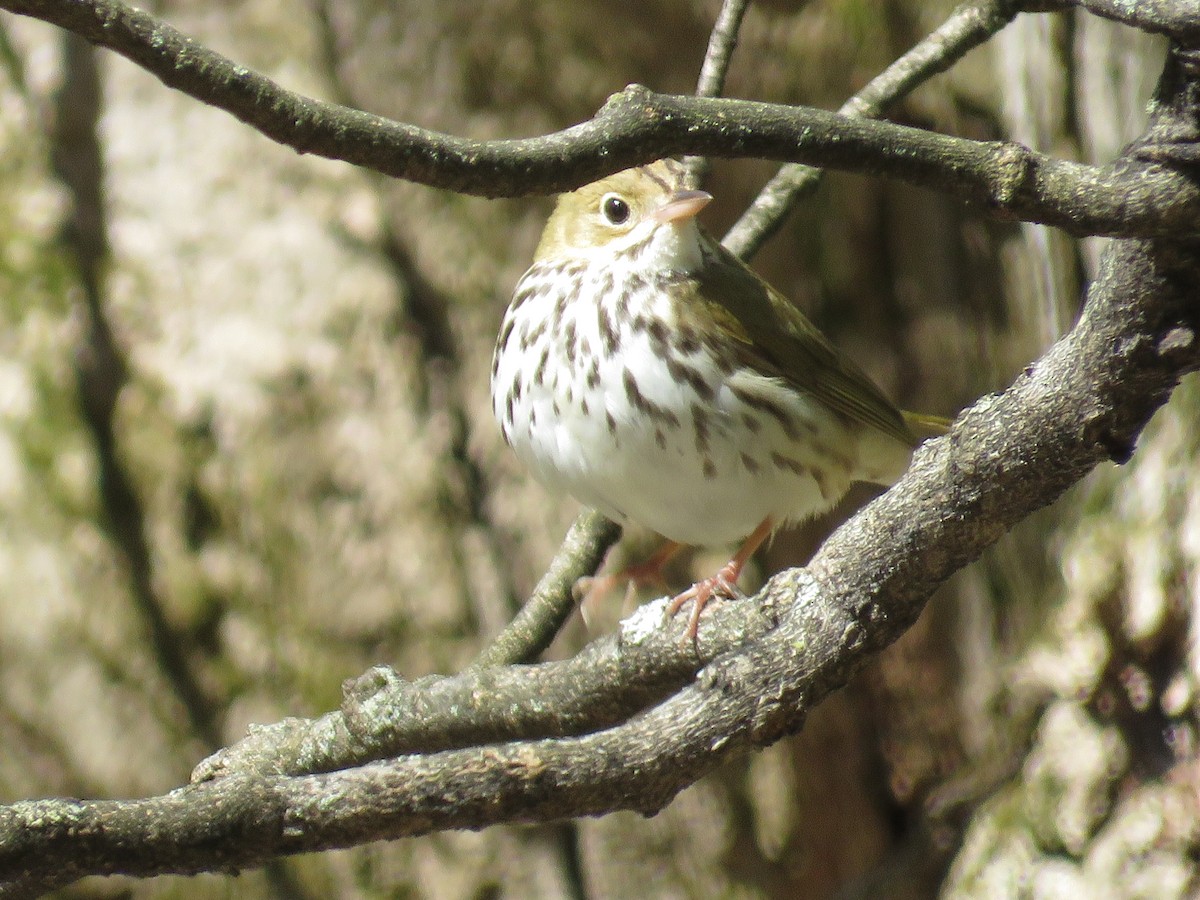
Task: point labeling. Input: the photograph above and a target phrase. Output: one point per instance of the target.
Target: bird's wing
(773, 332)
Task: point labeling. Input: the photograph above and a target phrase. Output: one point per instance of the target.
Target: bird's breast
(613, 391)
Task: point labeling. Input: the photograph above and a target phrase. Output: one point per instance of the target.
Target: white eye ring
(615, 209)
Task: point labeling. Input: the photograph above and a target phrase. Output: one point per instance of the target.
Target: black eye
(615, 209)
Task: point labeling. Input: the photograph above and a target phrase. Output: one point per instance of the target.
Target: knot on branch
(633, 98)
(259, 753)
(1010, 175)
(380, 687)
(1189, 59)
(357, 690)
(1173, 137)
(1179, 340)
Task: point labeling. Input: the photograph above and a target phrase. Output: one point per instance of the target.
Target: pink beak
(682, 206)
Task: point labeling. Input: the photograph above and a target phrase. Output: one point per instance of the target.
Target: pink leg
(592, 590)
(723, 584)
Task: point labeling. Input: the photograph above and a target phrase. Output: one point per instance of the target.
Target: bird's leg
(723, 584)
(592, 590)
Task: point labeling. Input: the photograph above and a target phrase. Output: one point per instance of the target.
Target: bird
(645, 370)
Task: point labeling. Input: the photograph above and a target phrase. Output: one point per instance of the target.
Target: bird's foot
(722, 584)
(591, 590)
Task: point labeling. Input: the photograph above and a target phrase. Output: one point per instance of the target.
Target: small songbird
(645, 370)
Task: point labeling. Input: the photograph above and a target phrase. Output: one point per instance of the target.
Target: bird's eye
(616, 210)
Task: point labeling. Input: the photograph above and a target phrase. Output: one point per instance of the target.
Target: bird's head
(647, 204)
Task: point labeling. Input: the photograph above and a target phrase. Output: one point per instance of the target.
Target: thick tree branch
(382, 715)
(1175, 18)
(637, 126)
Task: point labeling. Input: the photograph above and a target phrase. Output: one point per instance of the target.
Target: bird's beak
(682, 206)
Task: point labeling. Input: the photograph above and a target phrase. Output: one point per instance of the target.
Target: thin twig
(552, 602)
(721, 44)
(711, 83)
(969, 26)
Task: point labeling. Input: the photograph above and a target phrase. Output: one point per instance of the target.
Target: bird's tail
(924, 426)
(882, 458)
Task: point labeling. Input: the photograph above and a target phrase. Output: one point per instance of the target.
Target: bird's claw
(722, 584)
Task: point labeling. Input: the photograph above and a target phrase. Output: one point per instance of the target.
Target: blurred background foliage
(246, 451)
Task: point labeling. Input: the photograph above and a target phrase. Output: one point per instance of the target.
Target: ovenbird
(648, 372)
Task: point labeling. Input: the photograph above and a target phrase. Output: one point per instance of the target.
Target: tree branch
(552, 600)
(968, 26)
(711, 82)
(636, 126)
(1176, 18)
(721, 44)
(383, 715)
